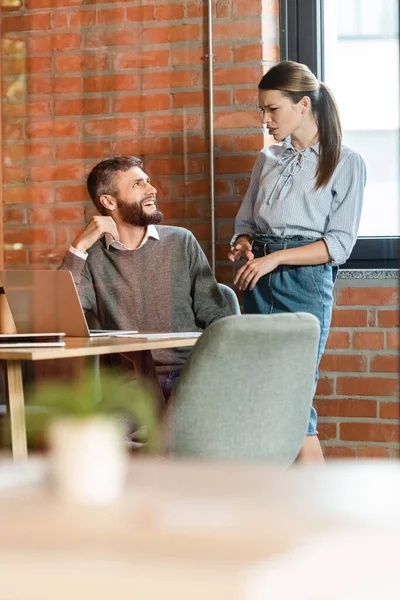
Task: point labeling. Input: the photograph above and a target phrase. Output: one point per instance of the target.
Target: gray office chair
(245, 392)
(231, 298)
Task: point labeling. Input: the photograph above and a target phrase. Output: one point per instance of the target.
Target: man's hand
(248, 275)
(94, 230)
(241, 249)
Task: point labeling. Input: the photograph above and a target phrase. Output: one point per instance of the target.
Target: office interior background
(176, 84)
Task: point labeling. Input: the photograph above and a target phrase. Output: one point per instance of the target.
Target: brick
(186, 210)
(223, 143)
(69, 150)
(349, 318)
(62, 172)
(117, 37)
(372, 322)
(174, 166)
(190, 144)
(201, 231)
(249, 142)
(71, 214)
(39, 108)
(236, 75)
(35, 4)
(141, 146)
(247, 96)
(224, 210)
(192, 189)
(241, 186)
(234, 164)
(39, 44)
(166, 79)
(14, 174)
(15, 216)
(196, 9)
(31, 151)
(28, 236)
(338, 340)
(80, 106)
(345, 407)
(340, 362)
(82, 18)
(373, 452)
(324, 387)
(327, 431)
(385, 364)
(369, 432)
(82, 62)
(60, 20)
(224, 231)
(141, 59)
(336, 452)
(245, 8)
(223, 188)
(223, 9)
(169, 12)
(65, 41)
(111, 16)
(114, 127)
(236, 119)
(389, 318)
(72, 193)
(28, 22)
(175, 33)
(110, 83)
(248, 53)
(52, 129)
(389, 410)
(27, 195)
(367, 296)
(392, 340)
(140, 13)
(181, 122)
(368, 340)
(45, 256)
(61, 236)
(15, 257)
(21, 65)
(240, 30)
(367, 386)
(141, 103)
(190, 55)
(225, 274)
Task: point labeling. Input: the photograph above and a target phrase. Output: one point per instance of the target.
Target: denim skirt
(294, 289)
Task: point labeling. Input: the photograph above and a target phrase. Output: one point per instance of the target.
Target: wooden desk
(204, 530)
(137, 350)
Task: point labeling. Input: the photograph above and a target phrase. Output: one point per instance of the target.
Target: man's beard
(133, 214)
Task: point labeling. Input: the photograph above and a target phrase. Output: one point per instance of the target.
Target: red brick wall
(82, 79)
(358, 392)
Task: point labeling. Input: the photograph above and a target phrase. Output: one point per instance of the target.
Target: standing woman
(300, 216)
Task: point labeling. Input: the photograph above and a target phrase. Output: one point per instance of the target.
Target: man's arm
(75, 259)
(209, 303)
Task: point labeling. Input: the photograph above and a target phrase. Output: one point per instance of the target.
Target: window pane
(362, 68)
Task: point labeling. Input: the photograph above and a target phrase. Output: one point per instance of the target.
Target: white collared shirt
(151, 231)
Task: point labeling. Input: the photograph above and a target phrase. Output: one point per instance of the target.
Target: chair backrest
(246, 390)
(231, 298)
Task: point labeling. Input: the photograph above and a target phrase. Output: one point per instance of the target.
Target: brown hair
(102, 180)
(295, 81)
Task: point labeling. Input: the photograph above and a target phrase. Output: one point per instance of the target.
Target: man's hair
(102, 178)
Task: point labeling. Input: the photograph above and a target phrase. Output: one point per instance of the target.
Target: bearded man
(133, 273)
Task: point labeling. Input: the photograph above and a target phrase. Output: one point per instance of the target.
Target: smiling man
(133, 273)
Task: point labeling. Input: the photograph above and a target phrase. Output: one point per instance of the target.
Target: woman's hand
(248, 275)
(241, 249)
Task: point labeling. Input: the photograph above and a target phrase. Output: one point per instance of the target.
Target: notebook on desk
(47, 301)
(31, 340)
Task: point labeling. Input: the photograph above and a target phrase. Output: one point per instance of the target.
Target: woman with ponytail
(299, 218)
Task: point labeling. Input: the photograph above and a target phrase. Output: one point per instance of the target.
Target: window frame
(301, 39)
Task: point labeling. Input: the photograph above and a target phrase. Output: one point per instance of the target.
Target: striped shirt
(281, 199)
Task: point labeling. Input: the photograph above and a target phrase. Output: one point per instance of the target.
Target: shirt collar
(287, 145)
(151, 231)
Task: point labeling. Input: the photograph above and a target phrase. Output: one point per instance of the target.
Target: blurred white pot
(88, 459)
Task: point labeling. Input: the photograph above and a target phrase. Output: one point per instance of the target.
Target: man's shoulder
(173, 233)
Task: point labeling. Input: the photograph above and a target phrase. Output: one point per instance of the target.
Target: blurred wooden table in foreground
(196, 531)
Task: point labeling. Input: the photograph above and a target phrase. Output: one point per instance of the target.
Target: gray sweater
(166, 285)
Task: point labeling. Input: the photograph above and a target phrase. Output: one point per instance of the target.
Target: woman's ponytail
(330, 135)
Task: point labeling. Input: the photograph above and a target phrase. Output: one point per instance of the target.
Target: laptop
(48, 301)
